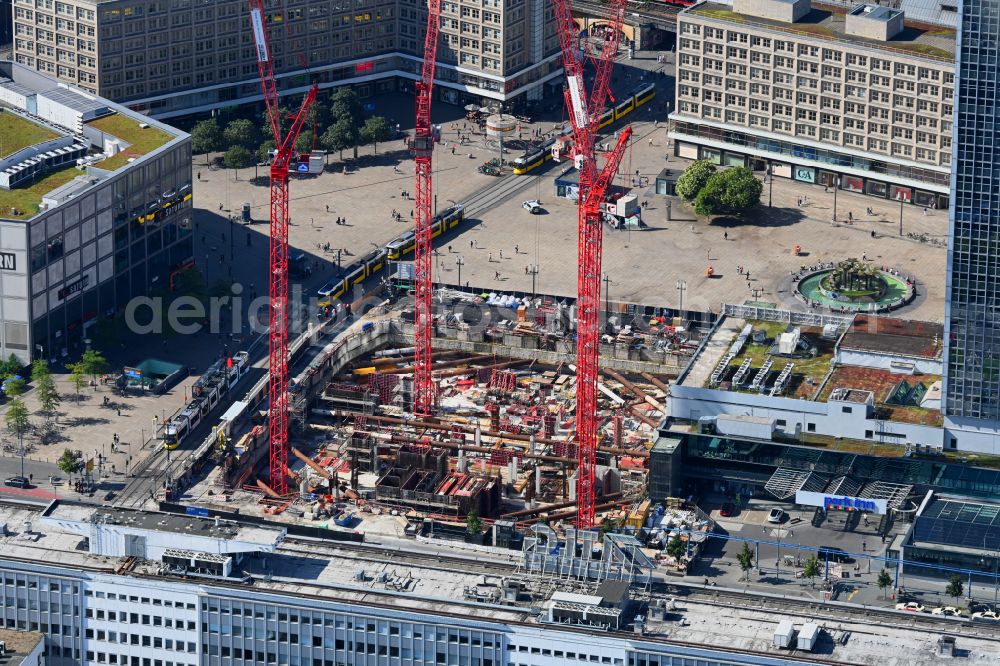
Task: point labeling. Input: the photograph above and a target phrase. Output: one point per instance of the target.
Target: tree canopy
(237, 157)
(206, 136)
(374, 130)
(694, 178)
(240, 132)
(733, 191)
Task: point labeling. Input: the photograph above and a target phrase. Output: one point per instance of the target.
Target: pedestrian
(449, 249)
(199, 175)
(799, 204)
(873, 233)
(501, 254)
(850, 216)
(650, 141)
(328, 208)
(411, 212)
(725, 235)
(220, 205)
(525, 270)
(708, 253)
(119, 411)
(472, 243)
(692, 228)
(748, 275)
(925, 210)
(517, 250)
(491, 258)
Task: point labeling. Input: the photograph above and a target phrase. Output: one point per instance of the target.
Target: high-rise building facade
(972, 311)
(177, 57)
(860, 99)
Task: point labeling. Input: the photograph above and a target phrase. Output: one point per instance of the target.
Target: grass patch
(17, 133)
(853, 446)
(925, 49)
(143, 140)
(27, 199)
(974, 459)
(725, 14)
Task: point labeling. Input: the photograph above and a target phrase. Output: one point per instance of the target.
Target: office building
(818, 94)
(137, 588)
(972, 380)
(107, 216)
(176, 57)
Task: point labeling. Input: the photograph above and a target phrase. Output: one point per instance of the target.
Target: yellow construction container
(637, 519)
(361, 372)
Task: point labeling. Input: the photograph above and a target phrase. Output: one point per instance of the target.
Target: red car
(728, 509)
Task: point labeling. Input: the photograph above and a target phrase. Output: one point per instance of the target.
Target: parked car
(728, 509)
(110, 495)
(834, 554)
(986, 616)
(947, 611)
(775, 515)
(18, 482)
(911, 606)
(533, 206)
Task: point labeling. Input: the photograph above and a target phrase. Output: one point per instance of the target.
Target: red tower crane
(278, 267)
(594, 183)
(424, 393)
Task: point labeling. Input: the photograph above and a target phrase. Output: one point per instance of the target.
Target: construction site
(447, 408)
(500, 446)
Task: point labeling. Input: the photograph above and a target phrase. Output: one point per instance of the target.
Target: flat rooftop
(19, 644)
(895, 336)
(408, 575)
(142, 140)
(826, 22)
(163, 522)
(845, 639)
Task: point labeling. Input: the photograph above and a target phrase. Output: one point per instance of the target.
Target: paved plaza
(641, 266)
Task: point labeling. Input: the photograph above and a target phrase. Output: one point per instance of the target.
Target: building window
(811, 427)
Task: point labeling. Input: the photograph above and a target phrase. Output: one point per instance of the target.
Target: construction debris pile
(501, 444)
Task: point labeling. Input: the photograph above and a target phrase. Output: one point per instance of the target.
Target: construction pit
(499, 448)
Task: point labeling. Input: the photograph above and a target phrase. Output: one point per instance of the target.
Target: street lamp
(770, 181)
(681, 288)
(459, 262)
(533, 270)
(901, 201)
(836, 186)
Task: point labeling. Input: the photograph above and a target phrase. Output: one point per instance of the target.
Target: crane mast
(594, 182)
(424, 393)
(278, 265)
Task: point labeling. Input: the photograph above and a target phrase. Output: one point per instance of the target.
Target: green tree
(94, 363)
(811, 570)
(338, 137)
(11, 366)
(237, 158)
(374, 130)
(745, 558)
(676, 548)
(742, 189)
(206, 137)
(345, 106)
(955, 586)
(472, 523)
(78, 377)
(39, 369)
(13, 387)
(694, 178)
(48, 396)
(733, 191)
(883, 581)
(304, 144)
(240, 132)
(264, 151)
(17, 417)
(69, 463)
